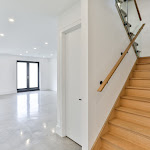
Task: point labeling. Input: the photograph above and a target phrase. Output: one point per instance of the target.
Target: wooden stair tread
(128, 125)
(134, 111)
(147, 57)
(121, 143)
(140, 78)
(138, 88)
(141, 70)
(138, 129)
(136, 98)
(143, 63)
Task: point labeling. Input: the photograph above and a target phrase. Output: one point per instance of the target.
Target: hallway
(28, 121)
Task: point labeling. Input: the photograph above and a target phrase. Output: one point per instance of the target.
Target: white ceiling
(35, 23)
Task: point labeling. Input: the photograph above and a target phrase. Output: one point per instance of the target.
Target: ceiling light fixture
(26, 51)
(2, 35)
(11, 20)
(20, 54)
(35, 48)
(46, 43)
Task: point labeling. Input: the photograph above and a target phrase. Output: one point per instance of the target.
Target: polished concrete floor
(27, 122)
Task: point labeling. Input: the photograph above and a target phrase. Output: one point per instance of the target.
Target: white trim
(8, 92)
(61, 100)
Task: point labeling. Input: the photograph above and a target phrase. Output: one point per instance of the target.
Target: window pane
(21, 75)
(33, 75)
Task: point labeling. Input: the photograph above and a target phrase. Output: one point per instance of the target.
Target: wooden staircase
(128, 125)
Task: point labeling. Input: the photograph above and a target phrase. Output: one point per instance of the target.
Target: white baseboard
(59, 131)
(8, 92)
(44, 89)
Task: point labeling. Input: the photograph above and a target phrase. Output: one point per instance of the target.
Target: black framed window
(27, 76)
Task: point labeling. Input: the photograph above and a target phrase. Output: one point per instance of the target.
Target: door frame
(61, 78)
(28, 89)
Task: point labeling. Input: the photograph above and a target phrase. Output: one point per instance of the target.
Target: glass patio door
(27, 76)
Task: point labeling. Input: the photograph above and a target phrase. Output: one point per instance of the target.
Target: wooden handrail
(138, 10)
(119, 61)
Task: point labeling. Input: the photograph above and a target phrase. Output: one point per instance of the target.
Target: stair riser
(143, 67)
(136, 105)
(110, 146)
(140, 83)
(144, 121)
(131, 136)
(141, 74)
(138, 93)
(144, 60)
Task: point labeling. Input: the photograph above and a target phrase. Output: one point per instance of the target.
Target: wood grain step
(138, 91)
(103, 149)
(138, 105)
(143, 67)
(130, 132)
(138, 129)
(137, 82)
(134, 111)
(138, 88)
(120, 143)
(141, 74)
(143, 63)
(109, 146)
(144, 60)
(140, 79)
(141, 70)
(134, 116)
(136, 98)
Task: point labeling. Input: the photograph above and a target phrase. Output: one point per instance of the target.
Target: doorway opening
(27, 76)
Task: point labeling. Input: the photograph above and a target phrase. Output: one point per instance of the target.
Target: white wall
(53, 74)
(70, 16)
(107, 39)
(8, 73)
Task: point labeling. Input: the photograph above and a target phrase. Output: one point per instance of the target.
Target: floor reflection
(27, 105)
(28, 121)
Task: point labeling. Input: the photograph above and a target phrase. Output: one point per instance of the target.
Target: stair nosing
(122, 140)
(135, 132)
(141, 71)
(132, 112)
(139, 88)
(136, 99)
(143, 63)
(112, 144)
(139, 78)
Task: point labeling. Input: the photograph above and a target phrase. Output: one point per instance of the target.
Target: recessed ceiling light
(11, 20)
(46, 43)
(26, 51)
(20, 54)
(35, 48)
(2, 34)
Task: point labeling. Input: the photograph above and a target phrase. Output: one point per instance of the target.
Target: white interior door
(73, 104)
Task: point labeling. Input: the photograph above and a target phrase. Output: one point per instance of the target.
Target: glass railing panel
(133, 17)
(139, 47)
(122, 8)
(128, 12)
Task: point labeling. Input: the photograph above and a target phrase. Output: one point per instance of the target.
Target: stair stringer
(97, 145)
